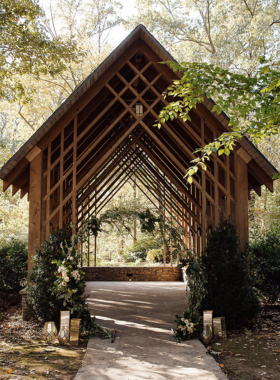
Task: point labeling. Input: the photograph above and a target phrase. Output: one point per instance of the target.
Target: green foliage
(157, 232)
(42, 301)
(13, 265)
(155, 256)
(230, 292)
(140, 249)
(27, 47)
(147, 221)
(251, 103)
(265, 264)
(123, 218)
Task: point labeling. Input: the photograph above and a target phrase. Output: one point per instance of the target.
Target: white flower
(74, 290)
(64, 274)
(67, 279)
(79, 266)
(75, 274)
(182, 319)
(64, 283)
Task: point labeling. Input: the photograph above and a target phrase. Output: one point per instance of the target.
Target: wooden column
(241, 195)
(35, 206)
(203, 196)
(74, 216)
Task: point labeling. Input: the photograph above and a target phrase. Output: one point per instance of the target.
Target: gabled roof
(142, 33)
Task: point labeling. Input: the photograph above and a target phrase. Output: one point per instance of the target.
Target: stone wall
(133, 274)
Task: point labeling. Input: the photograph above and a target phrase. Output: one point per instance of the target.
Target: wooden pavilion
(103, 136)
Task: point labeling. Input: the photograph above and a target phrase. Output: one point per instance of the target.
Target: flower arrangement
(70, 282)
(185, 327)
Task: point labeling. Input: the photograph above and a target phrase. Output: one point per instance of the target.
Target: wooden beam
(15, 173)
(24, 190)
(241, 196)
(34, 207)
(261, 175)
(20, 182)
(244, 155)
(33, 153)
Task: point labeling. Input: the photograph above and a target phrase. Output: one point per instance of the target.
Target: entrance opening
(139, 220)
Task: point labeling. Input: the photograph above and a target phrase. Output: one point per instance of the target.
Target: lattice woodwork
(106, 144)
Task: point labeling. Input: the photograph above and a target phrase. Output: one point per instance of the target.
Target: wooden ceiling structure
(97, 141)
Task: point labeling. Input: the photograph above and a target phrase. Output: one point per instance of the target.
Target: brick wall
(133, 273)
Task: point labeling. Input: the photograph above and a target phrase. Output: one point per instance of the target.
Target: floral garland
(70, 281)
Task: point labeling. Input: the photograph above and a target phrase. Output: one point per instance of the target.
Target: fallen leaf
(222, 365)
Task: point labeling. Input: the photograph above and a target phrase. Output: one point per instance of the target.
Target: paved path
(144, 348)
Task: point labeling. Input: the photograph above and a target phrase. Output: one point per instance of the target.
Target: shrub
(41, 299)
(230, 293)
(13, 266)
(140, 248)
(265, 264)
(155, 256)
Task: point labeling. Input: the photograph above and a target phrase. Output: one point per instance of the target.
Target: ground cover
(251, 353)
(24, 354)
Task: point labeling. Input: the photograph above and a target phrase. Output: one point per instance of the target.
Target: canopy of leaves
(26, 47)
(252, 104)
(231, 34)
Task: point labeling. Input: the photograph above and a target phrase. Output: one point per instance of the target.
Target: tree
(251, 103)
(230, 34)
(230, 292)
(27, 47)
(87, 24)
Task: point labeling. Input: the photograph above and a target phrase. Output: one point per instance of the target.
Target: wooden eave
(15, 171)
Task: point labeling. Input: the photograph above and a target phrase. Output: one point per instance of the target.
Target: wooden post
(74, 216)
(164, 247)
(35, 206)
(95, 239)
(134, 223)
(241, 195)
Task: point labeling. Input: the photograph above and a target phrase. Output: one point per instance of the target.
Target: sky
(120, 33)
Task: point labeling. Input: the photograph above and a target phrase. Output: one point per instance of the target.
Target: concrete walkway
(144, 348)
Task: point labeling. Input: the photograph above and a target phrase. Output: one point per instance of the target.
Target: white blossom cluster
(64, 274)
(76, 275)
(189, 326)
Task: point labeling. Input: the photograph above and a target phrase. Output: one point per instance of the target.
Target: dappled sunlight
(155, 320)
(135, 325)
(148, 303)
(142, 314)
(97, 300)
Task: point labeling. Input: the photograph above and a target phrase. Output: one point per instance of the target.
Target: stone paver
(144, 348)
